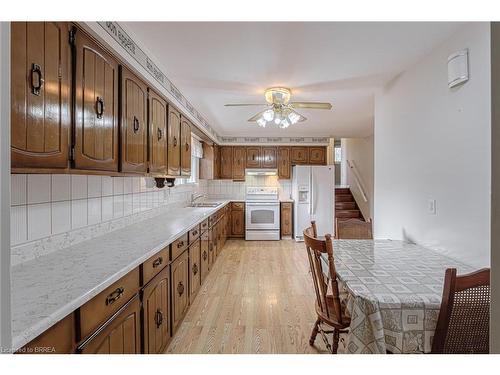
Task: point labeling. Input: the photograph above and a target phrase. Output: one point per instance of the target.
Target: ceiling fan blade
(254, 118)
(311, 105)
(244, 104)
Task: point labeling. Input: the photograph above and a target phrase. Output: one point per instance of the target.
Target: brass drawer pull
(195, 232)
(160, 134)
(195, 269)
(180, 288)
(180, 244)
(159, 318)
(157, 262)
(136, 124)
(205, 255)
(36, 86)
(175, 142)
(187, 146)
(114, 296)
(99, 107)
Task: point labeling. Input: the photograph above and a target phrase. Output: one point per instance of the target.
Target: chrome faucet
(195, 197)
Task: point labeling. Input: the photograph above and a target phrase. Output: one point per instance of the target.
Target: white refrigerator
(313, 192)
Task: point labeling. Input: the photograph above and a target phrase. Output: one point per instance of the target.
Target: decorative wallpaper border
(133, 49)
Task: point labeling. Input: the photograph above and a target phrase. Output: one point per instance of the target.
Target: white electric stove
(262, 219)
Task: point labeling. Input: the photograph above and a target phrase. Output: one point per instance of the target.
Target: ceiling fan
(280, 109)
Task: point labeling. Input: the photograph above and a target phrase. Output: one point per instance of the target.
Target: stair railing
(357, 178)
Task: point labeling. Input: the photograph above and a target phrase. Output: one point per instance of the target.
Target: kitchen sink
(205, 204)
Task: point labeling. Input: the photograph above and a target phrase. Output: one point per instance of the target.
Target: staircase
(345, 205)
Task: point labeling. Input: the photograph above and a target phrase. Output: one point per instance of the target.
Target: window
(338, 155)
(195, 162)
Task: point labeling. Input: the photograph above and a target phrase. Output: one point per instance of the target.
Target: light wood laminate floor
(258, 298)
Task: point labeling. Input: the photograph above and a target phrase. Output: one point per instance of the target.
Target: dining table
(392, 291)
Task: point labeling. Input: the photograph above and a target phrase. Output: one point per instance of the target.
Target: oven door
(262, 215)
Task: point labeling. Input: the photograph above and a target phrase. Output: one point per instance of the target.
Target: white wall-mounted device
(458, 68)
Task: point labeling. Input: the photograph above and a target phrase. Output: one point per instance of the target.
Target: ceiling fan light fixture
(278, 95)
(284, 124)
(293, 117)
(268, 115)
(261, 122)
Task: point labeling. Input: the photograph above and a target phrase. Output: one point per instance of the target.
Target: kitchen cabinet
(237, 219)
(120, 335)
(239, 163)
(284, 166)
(156, 313)
(194, 269)
(268, 157)
(204, 260)
(157, 126)
(299, 155)
(253, 157)
(216, 162)
(185, 147)
(40, 95)
(212, 246)
(317, 155)
(209, 164)
(226, 162)
(179, 289)
(174, 142)
(179, 245)
(96, 106)
(133, 126)
(152, 266)
(286, 219)
(58, 339)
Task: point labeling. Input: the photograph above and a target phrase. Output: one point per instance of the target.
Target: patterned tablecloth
(393, 292)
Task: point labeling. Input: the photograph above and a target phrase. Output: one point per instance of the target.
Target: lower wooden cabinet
(194, 269)
(119, 335)
(156, 313)
(179, 289)
(237, 219)
(204, 256)
(286, 219)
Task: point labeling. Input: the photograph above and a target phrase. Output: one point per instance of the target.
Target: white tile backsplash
(117, 186)
(107, 208)
(79, 187)
(236, 190)
(18, 224)
(39, 188)
(61, 217)
(39, 221)
(107, 186)
(127, 185)
(94, 186)
(61, 187)
(79, 214)
(94, 210)
(18, 185)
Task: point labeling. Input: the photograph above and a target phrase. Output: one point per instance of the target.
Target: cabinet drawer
(204, 225)
(101, 307)
(154, 265)
(212, 220)
(237, 205)
(194, 234)
(179, 245)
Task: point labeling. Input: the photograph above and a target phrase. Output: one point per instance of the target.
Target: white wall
(434, 143)
(5, 331)
(360, 152)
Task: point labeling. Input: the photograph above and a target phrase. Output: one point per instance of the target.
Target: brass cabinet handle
(195, 269)
(99, 107)
(158, 318)
(187, 146)
(180, 244)
(180, 288)
(195, 232)
(205, 255)
(211, 247)
(175, 141)
(157, 262)
(36, 86)
(136, 124)
(160, 134)
(114, 296)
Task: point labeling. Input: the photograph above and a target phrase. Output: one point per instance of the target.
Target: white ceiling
(342, 63)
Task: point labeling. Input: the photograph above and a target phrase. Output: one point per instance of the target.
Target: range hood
(261, 172)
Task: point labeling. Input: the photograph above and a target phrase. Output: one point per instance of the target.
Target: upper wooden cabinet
(317, 155)
(298, 155)
(226, 162)
(253, 157)
(133, 129)
(174, 142)
(157, 134)
(216, 161)
(268, 157)
(209, 162)
(239, 162)
(185, 147)
(40, 94)
(96, 106)
(284, 167)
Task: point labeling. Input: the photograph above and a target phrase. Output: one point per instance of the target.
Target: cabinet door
(174, 142)
(133, 127)
(96, 117)
(204, 265)
(226, 162)
(299, 155)
(317, 155)
(157, 134)
(268, 157)
(194, 269)
(253, 157)
(238, 223)
(216, 162)
(58, 339)
(156, 313)
(180, 292)
(239, 162)
(121, 335)
(40, 95)
(286, 219)
(185, 147)
(284, 167)
(212, 246)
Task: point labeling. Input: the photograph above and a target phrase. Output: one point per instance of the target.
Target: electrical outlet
(431, 207)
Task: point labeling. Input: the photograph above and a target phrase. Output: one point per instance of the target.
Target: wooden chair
(353, 229)
(464, 318)
(328, 306)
